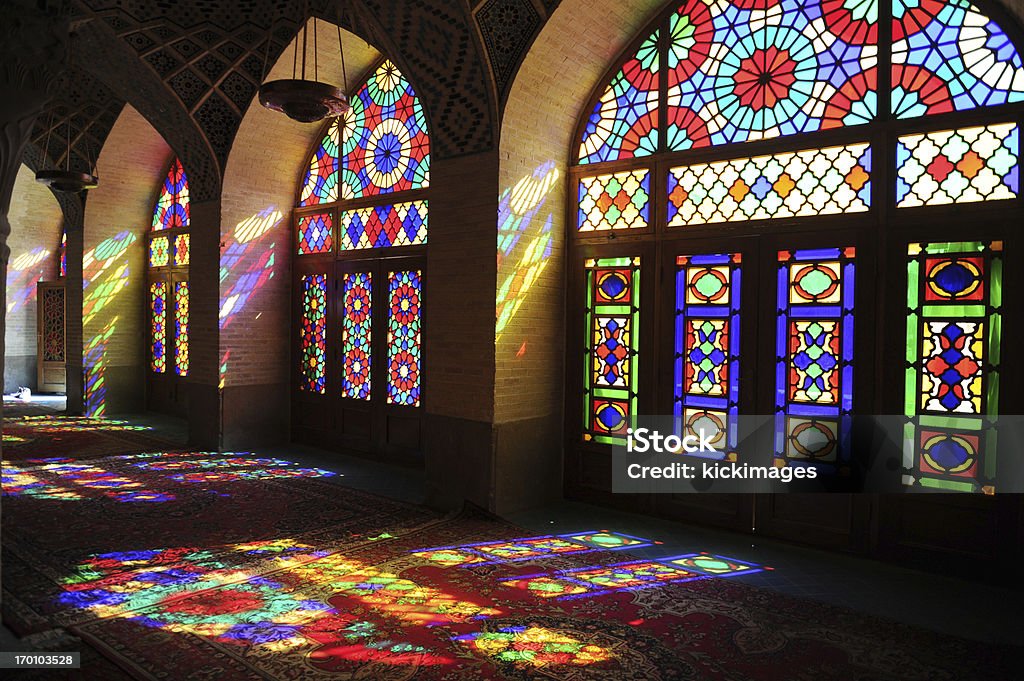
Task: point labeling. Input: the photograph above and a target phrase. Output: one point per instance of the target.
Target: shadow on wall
(23, 273)
(106, 273)
(524, 229)
(242, 273)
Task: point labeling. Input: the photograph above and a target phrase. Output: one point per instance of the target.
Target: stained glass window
(181, 328)
(316, 233)
(948, 56)
(707, 347)
(802, 183)
(313, 333)
(405, 300)
(814, 355)
(735, 125)
(159, 251)
(614, 201)
(355, 335)
(954, 331)
(624, 122)
(169, 248)
(158, 326)
(320, 184)
(384, 145)
(612, 321)
(172, 208)
(369, 175)
(958, 166)
(181, 247)
(401, 224)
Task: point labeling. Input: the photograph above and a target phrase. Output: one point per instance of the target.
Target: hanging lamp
(68, 180)
(300, 99)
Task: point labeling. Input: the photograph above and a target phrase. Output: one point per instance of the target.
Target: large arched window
(780, 206)
(360, 235)
(168, 292)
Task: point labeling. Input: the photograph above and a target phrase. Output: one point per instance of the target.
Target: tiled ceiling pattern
(508, 28)
(89, 108)
(209, 56)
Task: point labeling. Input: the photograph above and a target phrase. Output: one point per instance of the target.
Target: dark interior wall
(35, 237)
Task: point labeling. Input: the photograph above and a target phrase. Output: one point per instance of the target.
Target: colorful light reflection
(238, 284)
(534, 646)
(518, 211)
(23, 273)
(526, 548)
(630, 576)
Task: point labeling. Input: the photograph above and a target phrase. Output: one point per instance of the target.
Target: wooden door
(51, 338)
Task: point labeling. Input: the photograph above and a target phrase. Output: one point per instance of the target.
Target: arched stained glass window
(745, 70)
(360, 232)
(738, 138)
(172, 208)
(948, 56)
(168, 260)
(380, 147)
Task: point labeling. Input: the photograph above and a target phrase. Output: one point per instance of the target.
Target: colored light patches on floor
(18, 482)
(629, 576)
(716, 566)
(199, 591)
(605, 579)
(14, 440)
(111, 484)
(382, 590)
(535, 647)
(201, 467)
(66, 424)
(515, 550)
(349, 639)
(610, 541)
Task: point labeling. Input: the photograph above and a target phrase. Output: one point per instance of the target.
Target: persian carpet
(228, 517)
(385, 609)
(29, 436)
(193, 565)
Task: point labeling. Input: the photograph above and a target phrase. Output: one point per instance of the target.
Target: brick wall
(118, 213)
(36, 219)
(261, 185)
(572, 52)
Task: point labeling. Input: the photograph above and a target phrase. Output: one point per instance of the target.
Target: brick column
(74, 331)
(458, 318)
(204, 407)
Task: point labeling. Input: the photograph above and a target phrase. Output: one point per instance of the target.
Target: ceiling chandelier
(305, 100)
(68, 180)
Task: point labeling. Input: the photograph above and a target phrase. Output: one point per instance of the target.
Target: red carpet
(205, 566)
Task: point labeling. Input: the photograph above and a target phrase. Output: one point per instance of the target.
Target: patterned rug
(193, 565)
(66, 520)
(388, 610)
(44, 435)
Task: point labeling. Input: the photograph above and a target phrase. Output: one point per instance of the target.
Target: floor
(967, 609)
